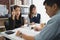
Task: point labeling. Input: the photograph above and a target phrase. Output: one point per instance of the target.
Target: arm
(11, 23)
(12, 19)
(22, 21)
(26, 37)
(13, 15)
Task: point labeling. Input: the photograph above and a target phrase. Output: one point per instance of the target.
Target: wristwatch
(21, 35)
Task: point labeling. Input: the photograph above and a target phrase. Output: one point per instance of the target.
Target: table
(25, 30)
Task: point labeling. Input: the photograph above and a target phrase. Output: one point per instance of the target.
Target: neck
(55, 13)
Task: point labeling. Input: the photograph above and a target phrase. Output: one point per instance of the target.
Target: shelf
(3, 18)
(22, 5)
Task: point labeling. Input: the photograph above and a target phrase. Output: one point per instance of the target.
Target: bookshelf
(24, 4)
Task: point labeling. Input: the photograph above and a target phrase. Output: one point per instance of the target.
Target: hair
(31, 8)
(52, 2)
(14, 7)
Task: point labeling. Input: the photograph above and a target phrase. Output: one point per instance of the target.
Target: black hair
(52, 2)
(31, 7)
(14, 7)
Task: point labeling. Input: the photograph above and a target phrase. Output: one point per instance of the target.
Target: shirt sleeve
(48, 32)
(11, 23)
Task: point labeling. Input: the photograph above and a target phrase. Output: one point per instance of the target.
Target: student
(52, 28)
(34, 17)
(16, 21)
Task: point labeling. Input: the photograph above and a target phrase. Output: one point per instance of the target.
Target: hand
(37, 28)
(18, 33)
(13, 15)
(25, 21)
(32, 23)
(26, 37)
(40, 27)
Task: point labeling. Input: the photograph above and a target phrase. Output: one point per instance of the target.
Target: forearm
(26, 37)
(13, 17)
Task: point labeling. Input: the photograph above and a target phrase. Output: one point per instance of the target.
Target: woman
(16, 21)
(33, 15)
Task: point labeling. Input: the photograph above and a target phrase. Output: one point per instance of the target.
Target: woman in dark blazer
(34, 16)
(15, 21)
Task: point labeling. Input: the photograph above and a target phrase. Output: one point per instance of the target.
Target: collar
(57, 13)
(34, 15)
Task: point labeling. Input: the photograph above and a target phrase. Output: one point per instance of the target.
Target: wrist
(21, 35)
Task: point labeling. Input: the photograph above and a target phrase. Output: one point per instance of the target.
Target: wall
(6, 2)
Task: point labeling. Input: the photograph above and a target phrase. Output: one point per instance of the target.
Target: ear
(55, 7)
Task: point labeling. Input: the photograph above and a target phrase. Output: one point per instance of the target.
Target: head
(12, 11)
(52, 6)
(32, 9)
(17, 10)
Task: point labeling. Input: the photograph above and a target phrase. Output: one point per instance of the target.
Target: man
(52, 29)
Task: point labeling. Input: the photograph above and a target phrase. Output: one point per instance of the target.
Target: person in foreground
(52, 28)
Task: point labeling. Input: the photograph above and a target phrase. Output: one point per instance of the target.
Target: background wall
(41, 10)
(6, 2)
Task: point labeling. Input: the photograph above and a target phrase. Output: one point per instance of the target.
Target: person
(52, 28)
(33, 16)
(16, 21)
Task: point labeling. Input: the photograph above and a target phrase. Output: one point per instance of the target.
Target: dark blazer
(15, 23)
(35, 19)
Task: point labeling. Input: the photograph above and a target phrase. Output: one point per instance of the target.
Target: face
(50, 10)
(34, 10)
(17, 10)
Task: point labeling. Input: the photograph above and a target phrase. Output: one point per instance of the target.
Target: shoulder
(55, 19)
(38, 14)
